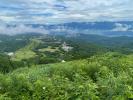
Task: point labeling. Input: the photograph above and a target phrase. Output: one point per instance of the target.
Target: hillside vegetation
(101, 77)
(27, 51)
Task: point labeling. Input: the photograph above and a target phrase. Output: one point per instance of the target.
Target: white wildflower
(43, 88)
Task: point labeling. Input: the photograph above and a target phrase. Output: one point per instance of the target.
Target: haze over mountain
(119, 28)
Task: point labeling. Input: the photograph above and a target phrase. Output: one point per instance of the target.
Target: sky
(61, 11)
(21, 12)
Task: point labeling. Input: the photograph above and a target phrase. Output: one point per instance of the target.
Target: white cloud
(65, 10)
(20, 29)
(121, 27)
(7, 18)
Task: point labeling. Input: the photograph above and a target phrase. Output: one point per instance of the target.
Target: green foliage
(15, 42)
(46, 60)
(103, 77)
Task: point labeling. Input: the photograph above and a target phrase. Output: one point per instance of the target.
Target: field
(49, 49)
(26, 52)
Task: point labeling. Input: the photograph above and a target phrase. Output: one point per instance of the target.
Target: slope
(101, 77)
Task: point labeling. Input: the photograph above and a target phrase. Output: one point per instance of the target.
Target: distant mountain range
(121, 28)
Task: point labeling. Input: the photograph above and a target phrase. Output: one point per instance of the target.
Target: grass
(49, 48)
(27, 51)
(96, 78)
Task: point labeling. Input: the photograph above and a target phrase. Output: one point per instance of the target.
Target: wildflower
(43, 88)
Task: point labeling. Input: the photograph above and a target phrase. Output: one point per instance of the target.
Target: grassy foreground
(105, 77)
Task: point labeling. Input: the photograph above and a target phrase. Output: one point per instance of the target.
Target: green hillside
(27, 51)
(101, 77)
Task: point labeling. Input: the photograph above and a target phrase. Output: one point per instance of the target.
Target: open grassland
(49, 49)
(26, 52)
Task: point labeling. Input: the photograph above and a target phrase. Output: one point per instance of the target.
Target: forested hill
(33, 49)
(101, 77)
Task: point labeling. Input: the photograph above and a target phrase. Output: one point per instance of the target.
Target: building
(66, 48)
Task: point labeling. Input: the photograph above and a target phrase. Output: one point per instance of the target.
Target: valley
(66, 49)
(75, 67)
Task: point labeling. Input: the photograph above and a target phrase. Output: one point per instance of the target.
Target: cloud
(122, 27)
(20, 29)
(58, 11)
